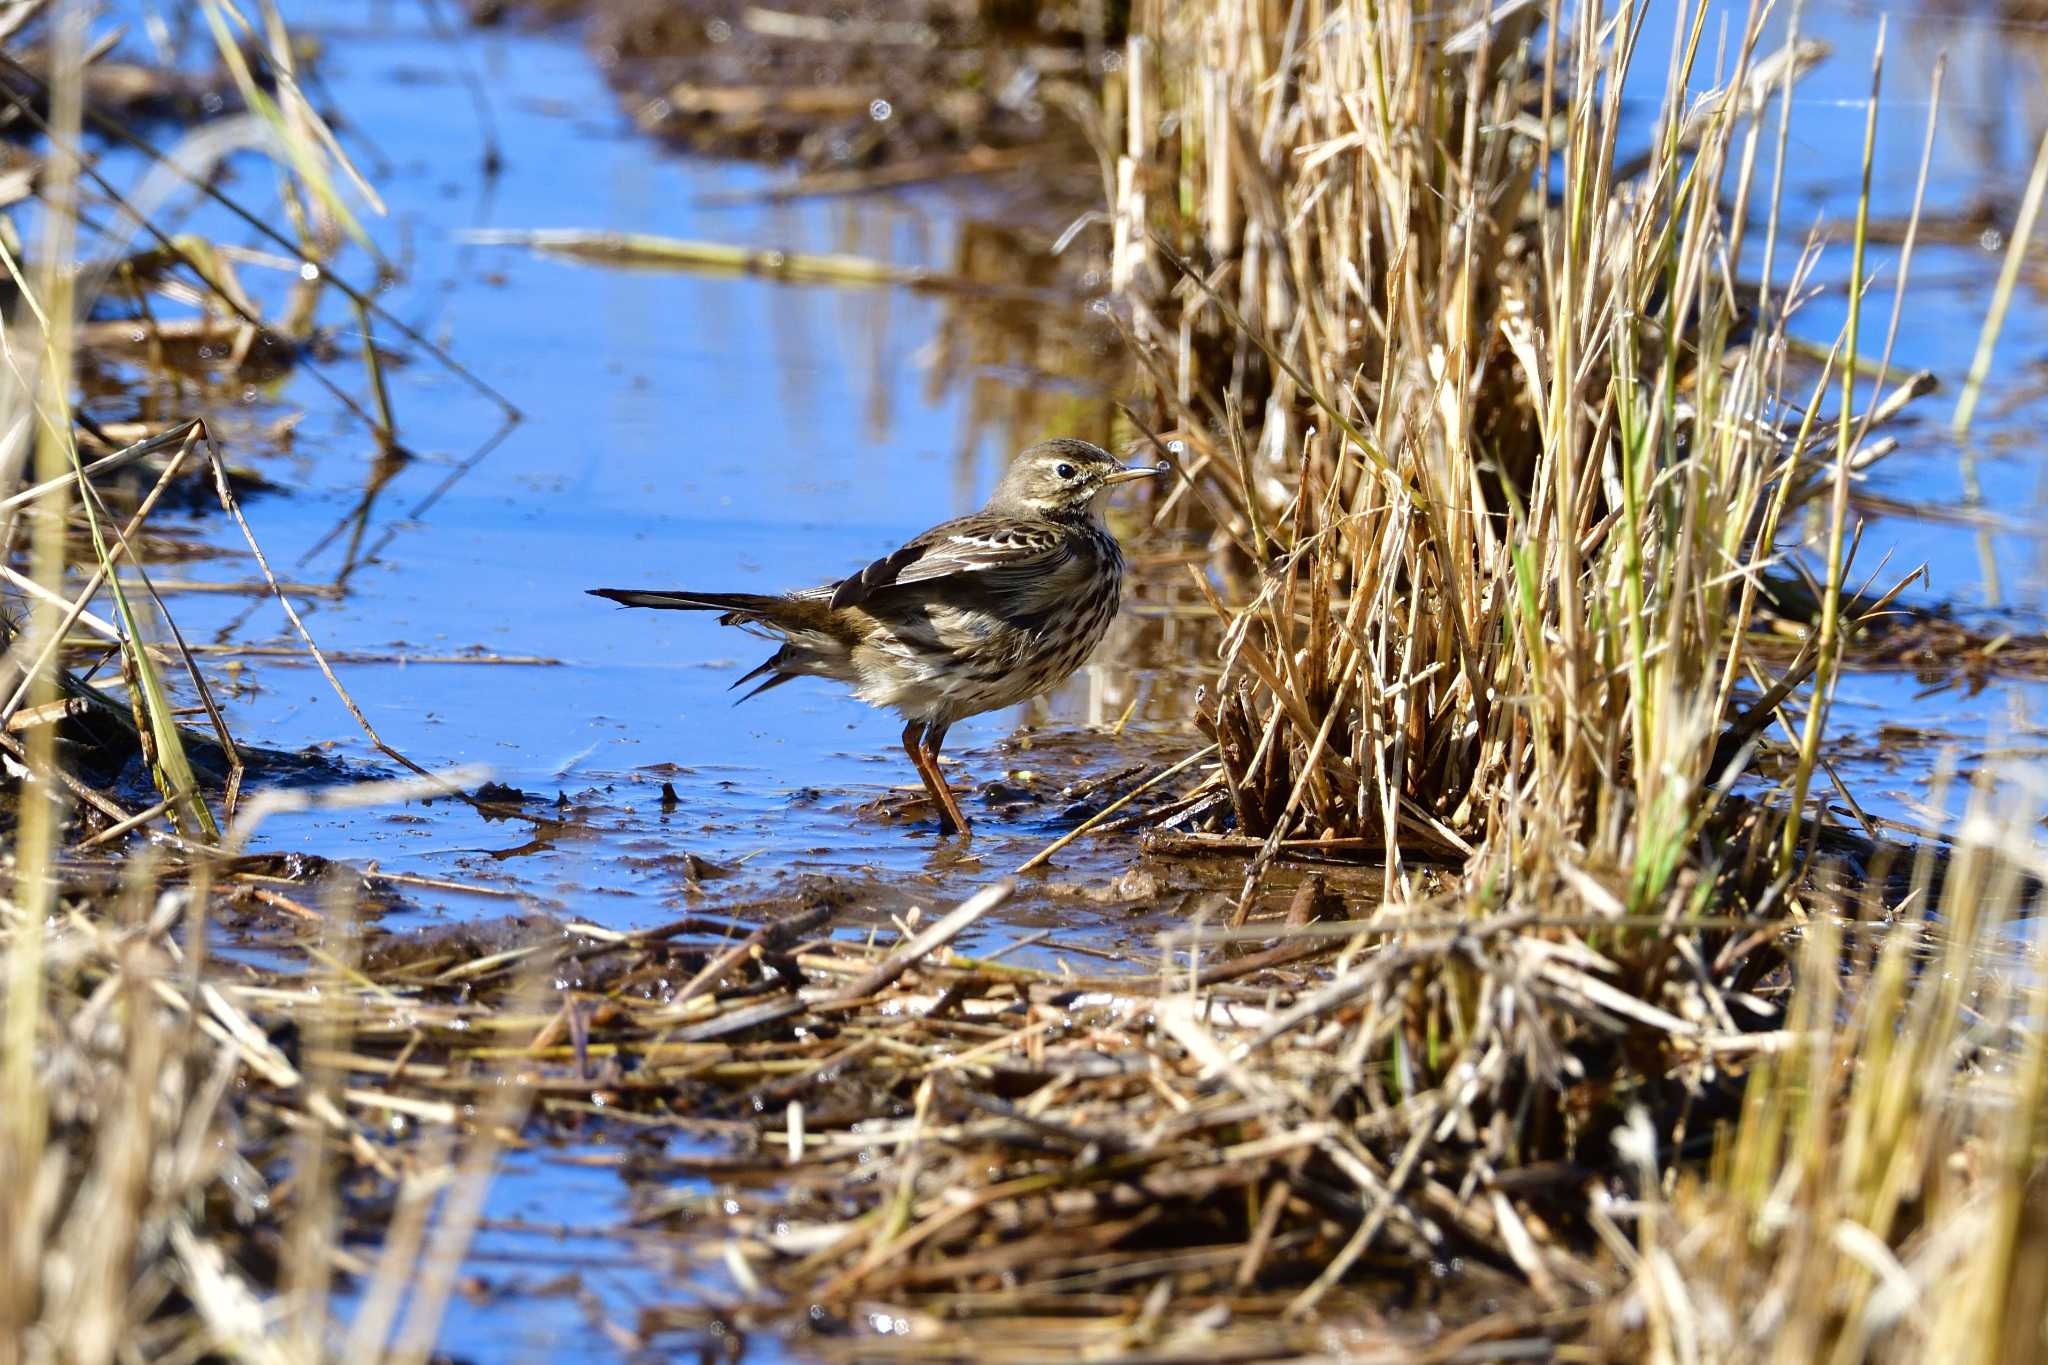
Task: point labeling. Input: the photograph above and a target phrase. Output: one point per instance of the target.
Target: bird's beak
(1136, 471)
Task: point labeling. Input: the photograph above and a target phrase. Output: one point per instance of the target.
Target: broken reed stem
(927, 942)
(673, 253)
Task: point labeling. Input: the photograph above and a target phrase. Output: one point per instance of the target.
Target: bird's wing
(995, 547)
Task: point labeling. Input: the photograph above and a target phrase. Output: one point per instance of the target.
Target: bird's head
(1062, 478)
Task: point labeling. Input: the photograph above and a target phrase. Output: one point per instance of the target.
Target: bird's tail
(816, 642)
(751, 603)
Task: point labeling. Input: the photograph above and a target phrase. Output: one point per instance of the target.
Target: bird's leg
(934, 736)
(913, 734)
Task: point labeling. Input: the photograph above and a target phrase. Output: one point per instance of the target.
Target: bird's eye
(1065, 471)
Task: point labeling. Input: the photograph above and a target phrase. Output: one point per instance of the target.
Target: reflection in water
(677, 427)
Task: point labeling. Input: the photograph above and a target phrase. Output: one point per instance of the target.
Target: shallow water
(1974, 512)
(732, 433)
(725, 432)
(679, 431)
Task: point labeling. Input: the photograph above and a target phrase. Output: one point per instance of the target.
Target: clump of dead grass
(1880, 1196)
(1499, 461)
(1503, 451)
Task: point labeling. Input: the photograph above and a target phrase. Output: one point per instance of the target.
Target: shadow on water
(735, 433)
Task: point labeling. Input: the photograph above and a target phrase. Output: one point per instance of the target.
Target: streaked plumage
(975, 614)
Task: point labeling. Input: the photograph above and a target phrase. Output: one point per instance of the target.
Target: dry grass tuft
(1502, 449)
(1880, 1196)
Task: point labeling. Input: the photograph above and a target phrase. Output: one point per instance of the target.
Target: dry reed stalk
(1878, 1197)
(135, 1221)
(1517, 445)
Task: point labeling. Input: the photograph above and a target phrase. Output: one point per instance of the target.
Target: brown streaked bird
(975, 614)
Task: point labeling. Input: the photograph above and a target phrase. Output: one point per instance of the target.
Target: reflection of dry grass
(1025, 371)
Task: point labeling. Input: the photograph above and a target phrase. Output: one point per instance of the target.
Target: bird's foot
(915, 807)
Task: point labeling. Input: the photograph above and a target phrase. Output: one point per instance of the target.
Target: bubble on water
(880, 110)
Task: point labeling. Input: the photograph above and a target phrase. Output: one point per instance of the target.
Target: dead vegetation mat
(1288, 1138)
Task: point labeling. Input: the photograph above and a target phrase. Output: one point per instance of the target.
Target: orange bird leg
(934, 736)
(933, 786)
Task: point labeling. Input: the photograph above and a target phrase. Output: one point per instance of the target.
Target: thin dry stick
(233, 507)
(926, 943)
(76, 608)
(774, 932)
(106, 464)
(119, 828)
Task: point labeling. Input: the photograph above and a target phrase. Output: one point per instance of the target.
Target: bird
(975, 614)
